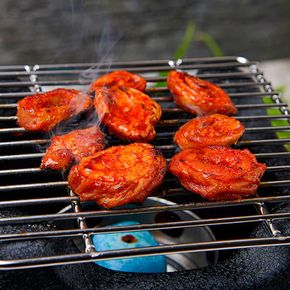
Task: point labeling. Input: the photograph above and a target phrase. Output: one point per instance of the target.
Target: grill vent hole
(169, 216)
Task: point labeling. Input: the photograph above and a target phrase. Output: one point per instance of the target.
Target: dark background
(51, 31)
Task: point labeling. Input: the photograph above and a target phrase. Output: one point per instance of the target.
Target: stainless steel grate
(23, 185)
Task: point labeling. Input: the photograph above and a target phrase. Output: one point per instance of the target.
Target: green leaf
(211, 44)
(186, 41)
(275, 123)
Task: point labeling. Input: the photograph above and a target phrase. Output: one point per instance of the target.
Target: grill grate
(46, 197)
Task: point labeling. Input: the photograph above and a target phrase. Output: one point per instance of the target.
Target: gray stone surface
(48, 31)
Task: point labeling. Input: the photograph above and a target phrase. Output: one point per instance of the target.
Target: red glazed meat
(218, 173)
(72, 147)
(118, 175)
(120, 79)
(42, 112)
(210, 130)
(128, 113)
(198, 96)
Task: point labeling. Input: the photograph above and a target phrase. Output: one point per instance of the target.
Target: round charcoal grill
(37, 235)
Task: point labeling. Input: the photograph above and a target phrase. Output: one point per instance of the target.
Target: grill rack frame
(34, 72)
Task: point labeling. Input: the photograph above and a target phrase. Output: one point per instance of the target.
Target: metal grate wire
(20, 157)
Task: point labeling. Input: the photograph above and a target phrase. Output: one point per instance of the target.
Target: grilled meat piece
(72, 147)
(218, 173)
(42, 112)
(118, 175)
(216, 129)
(198, 96)
(120, 79)
(128, 113)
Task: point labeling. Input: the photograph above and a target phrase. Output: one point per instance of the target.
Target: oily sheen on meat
(72, 147)
(198, 96)
(118, 175)
(218, 173)
(128, 113)
(216, 129)
(42, 112)
(120, 79)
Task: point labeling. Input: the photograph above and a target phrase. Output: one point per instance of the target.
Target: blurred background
(47, 31)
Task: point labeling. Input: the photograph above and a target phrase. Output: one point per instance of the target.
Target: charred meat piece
(72, 147)
(128, 113)
(216, 129)
(198, 96)
(218, 173)
(118, 175)
(120, 79)
(42, 112)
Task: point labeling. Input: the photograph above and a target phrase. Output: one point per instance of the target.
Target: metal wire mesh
(47, 199)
